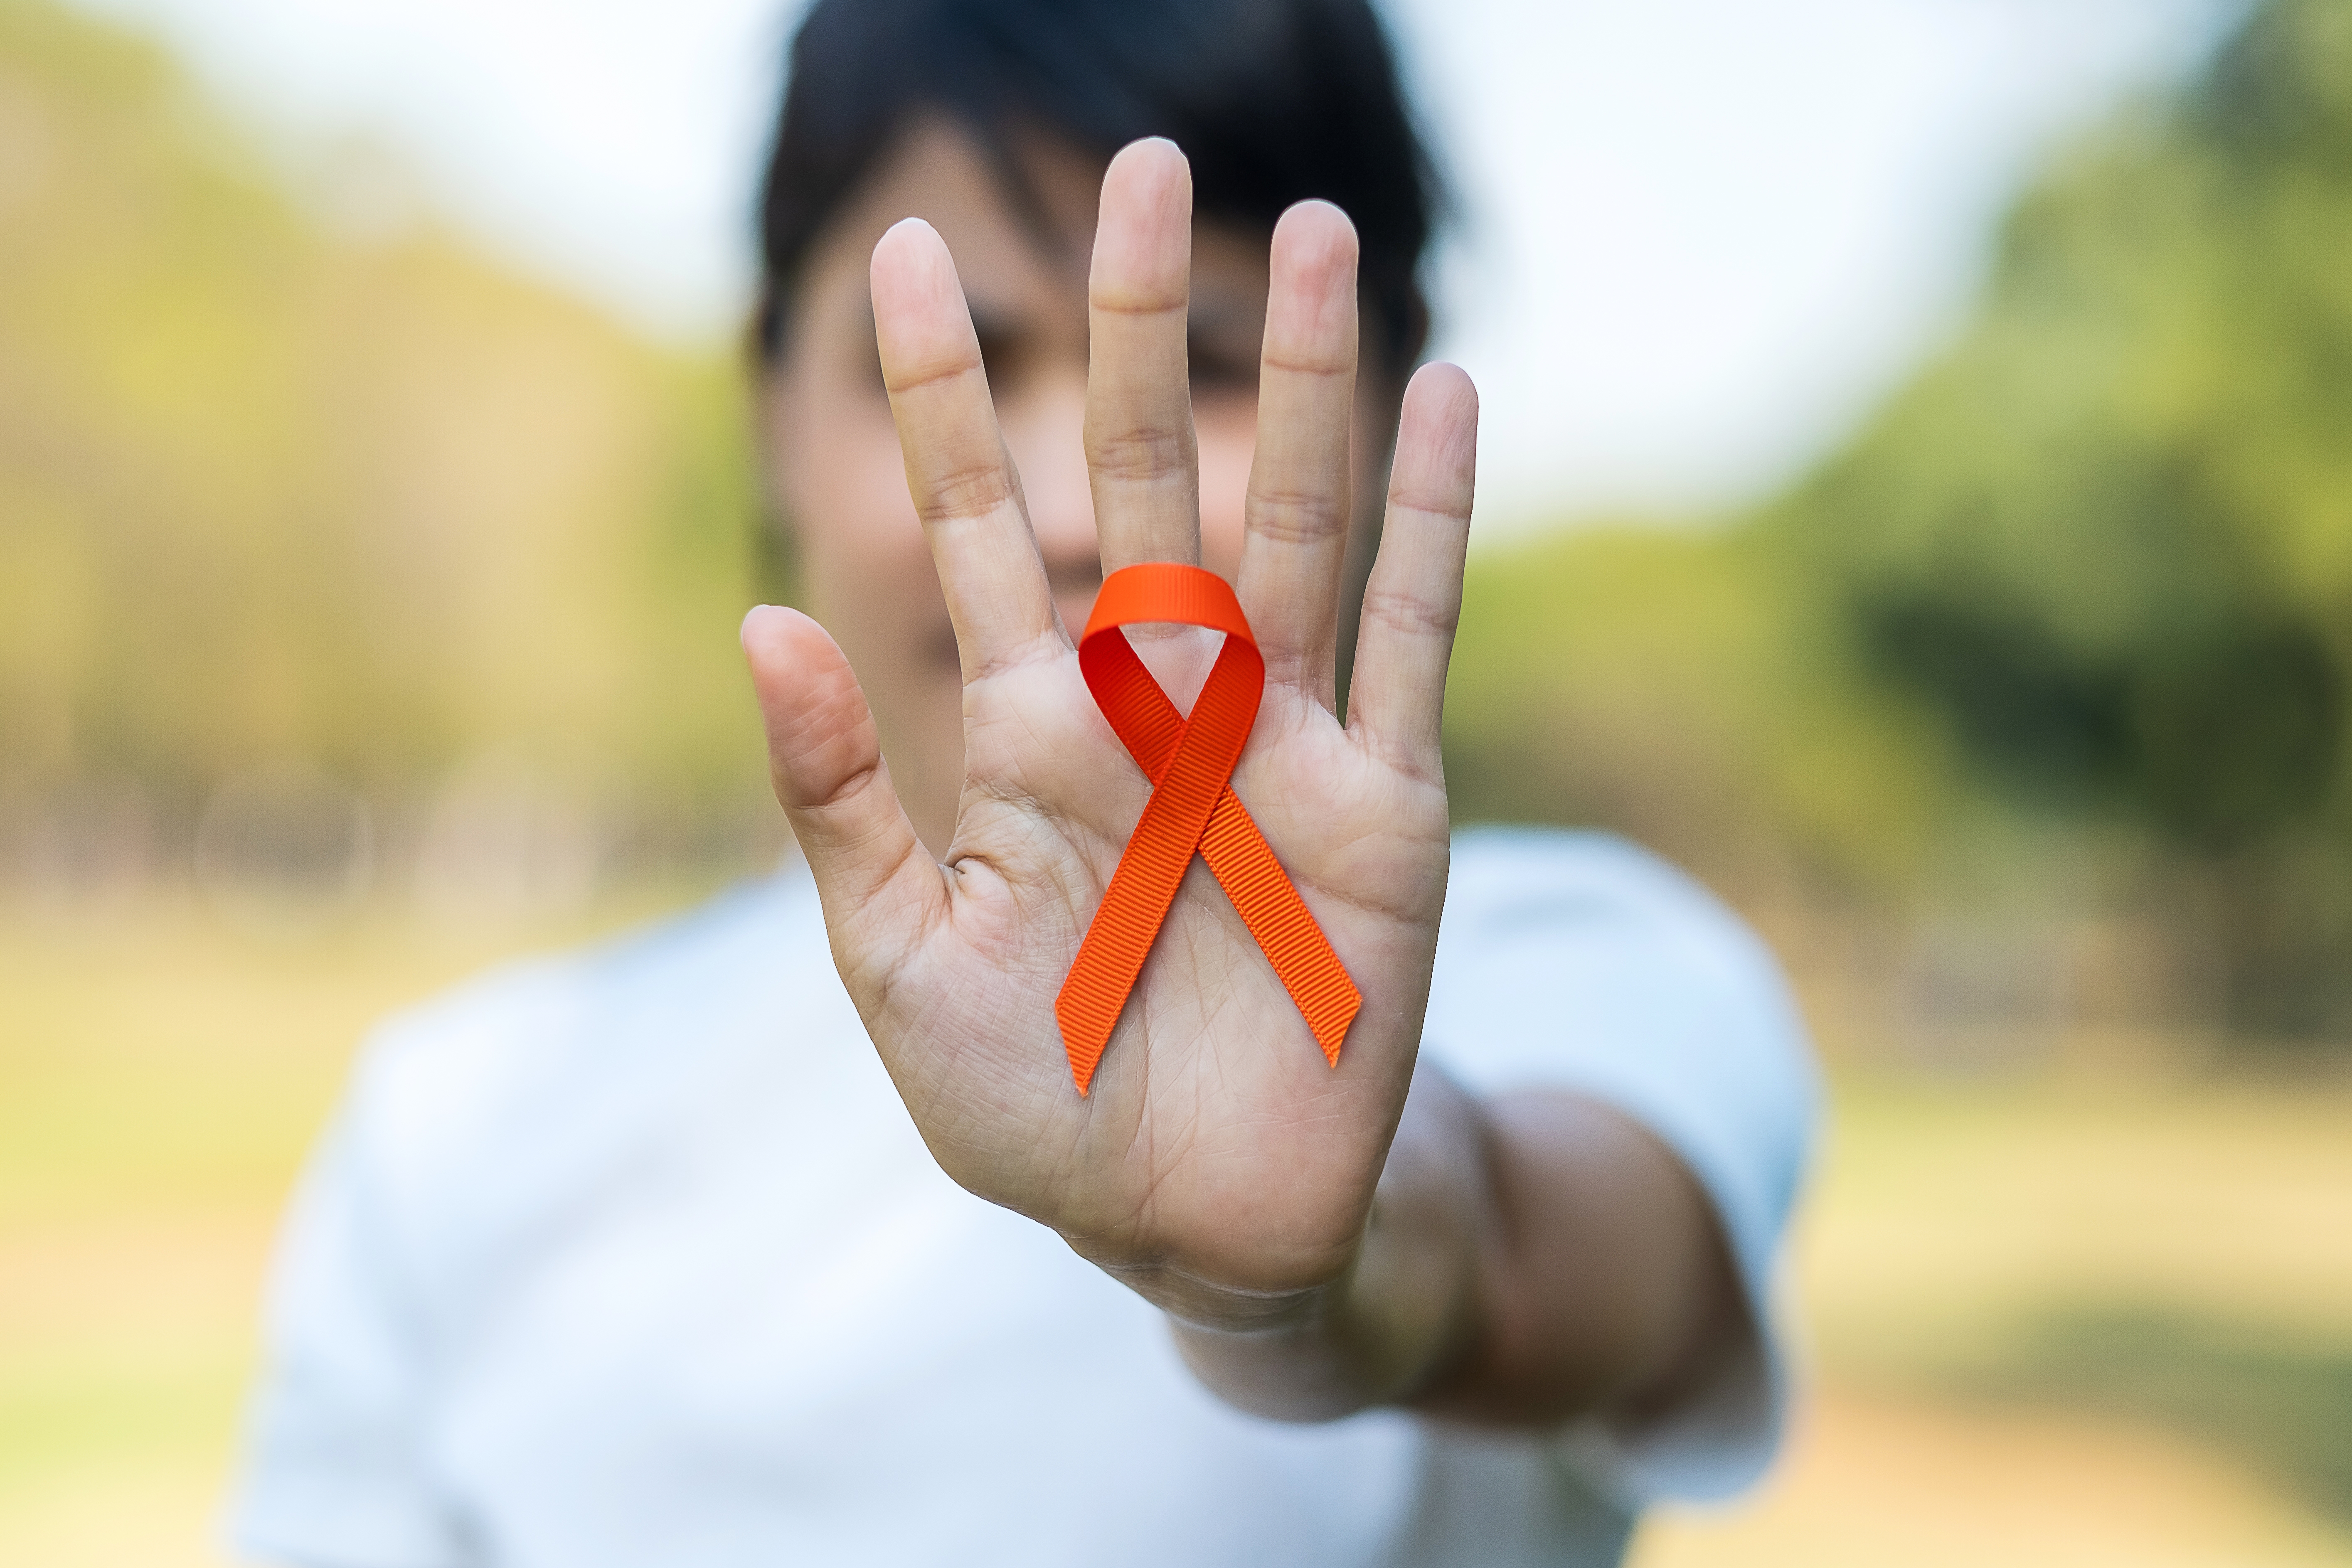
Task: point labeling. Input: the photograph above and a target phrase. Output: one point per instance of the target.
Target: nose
(1044, 429)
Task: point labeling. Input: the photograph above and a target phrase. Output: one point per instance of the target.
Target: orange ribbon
(1193, 809)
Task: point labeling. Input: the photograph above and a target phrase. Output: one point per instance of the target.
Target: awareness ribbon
(1193, 809)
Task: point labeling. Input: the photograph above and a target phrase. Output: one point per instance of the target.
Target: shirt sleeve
(1578, 962)
(335, 1472)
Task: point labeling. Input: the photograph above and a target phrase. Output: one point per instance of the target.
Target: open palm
(1219, 1159)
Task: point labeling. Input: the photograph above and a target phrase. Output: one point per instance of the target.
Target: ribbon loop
(1192, 810)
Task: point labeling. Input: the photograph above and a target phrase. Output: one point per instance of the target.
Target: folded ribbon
(1189, 761)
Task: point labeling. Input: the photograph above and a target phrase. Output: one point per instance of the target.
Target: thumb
(826, 760)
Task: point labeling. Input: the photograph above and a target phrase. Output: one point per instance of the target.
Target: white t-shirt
(633, 1259)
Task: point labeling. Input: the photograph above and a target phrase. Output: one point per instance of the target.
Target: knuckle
(1430, 501)
(1305, 362)
(1139, 454)
(964, 491)
(1285, 516)
(1410, 614)
(915, 377)
(1140, 302)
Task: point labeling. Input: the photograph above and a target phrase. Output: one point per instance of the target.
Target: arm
(1528, 1259)
(1330, 1234)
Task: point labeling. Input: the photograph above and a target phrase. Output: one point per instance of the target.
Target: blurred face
(832, 454)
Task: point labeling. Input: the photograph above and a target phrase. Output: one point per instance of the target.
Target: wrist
(1407, 1306)
(1195, 1304)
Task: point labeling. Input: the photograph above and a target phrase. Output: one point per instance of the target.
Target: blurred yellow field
(2058, 1320)
(1930, 1485)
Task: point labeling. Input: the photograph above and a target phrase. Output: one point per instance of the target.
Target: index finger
(958, 470)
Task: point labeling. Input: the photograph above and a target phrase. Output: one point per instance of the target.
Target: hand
(1220, 1164)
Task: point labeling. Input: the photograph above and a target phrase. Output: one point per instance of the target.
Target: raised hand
(1220, 1164)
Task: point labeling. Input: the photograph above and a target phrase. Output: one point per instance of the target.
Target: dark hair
(1273, 100)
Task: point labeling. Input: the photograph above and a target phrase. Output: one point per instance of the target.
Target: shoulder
(1579, 960)
(470, 1041)
(1559, 943)
(573, 1050)
(1500, 875)
(1590, 899)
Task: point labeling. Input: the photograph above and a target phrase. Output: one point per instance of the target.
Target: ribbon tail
(1285, 929)
(1142, 888)
(1112, 952)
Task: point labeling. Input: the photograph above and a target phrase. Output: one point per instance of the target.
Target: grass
(2056, 1319)
(2280, 1404)
(2073, 1320)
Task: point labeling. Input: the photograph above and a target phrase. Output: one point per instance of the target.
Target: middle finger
(1140, 453)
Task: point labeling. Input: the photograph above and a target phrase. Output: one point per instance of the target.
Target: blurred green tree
(2106, 538)
(2069, 619)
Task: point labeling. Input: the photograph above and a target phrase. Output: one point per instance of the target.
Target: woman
(786, 1232)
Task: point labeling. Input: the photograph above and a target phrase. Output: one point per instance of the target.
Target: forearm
(1528, 1258)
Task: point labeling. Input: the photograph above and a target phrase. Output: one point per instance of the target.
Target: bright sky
(1702, 236)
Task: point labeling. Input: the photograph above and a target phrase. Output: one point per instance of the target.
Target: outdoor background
(367, 606)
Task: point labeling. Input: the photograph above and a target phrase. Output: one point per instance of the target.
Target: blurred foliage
(1686, 688)
(2073, 614)
(289, 479)
(2281, 1402)
(288, 475)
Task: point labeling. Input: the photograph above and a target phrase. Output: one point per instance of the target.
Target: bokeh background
(1920, 441)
